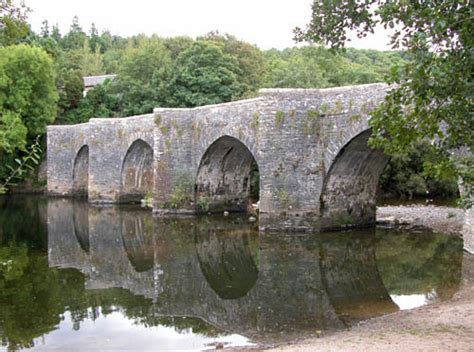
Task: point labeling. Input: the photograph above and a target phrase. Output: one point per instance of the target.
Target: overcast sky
(266, 23)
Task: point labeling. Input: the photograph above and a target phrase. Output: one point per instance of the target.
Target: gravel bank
(436, 218)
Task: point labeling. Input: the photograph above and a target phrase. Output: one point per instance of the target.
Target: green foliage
(22, 166)
(204, 74)
(250, 61)
(143, 75)
(317, 67)
(406, 176)
(432, 95)
(13, 26)
(419, 263)
(27, 86)
(182, 191)
(12, 132)
(75, 38)
(70, 86)
(13, 261)
(203, 204)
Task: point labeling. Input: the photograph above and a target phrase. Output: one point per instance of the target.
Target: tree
(75, 38)
(13, 24)
(142, 76)
(249, 58)
(27, 86)
(432, 93)
(204, 75)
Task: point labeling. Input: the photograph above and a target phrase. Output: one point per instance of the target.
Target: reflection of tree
(13, 261)
(419, 263)
(14, 225)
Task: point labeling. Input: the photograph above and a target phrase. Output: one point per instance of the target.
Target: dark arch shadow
(80, 175)
(137, 172)
(349, 192)
(227, 177)
(80, 218)
(227, 261)
(137, 239)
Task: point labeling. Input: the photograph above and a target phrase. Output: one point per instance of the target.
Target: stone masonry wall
(294, 135)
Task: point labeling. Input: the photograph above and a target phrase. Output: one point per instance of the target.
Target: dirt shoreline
(444, 326)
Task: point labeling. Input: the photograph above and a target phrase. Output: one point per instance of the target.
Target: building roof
(92, 81)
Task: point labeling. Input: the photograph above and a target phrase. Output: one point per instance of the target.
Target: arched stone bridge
(308, 146)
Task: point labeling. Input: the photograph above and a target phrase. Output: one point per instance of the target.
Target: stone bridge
(302, 152)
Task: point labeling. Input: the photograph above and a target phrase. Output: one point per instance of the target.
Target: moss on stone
(157, 119)
(255, 121)
(164, 129)
(279, 118)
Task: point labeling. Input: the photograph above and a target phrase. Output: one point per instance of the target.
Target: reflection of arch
(227, 261)
(350, 275)
(227, 176)
(80, 174)
(137, 171)
(80, 218)
(137, 240)
(349, 190)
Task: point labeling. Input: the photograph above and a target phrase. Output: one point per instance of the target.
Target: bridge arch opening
(227, 179)
(349, 192)
(80, 175)
(137, 172)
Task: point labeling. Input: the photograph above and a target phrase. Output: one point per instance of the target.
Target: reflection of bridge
(309, 147)
(220, 271)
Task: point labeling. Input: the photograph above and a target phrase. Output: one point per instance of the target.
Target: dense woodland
(41, 83)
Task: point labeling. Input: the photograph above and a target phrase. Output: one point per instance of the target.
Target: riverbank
(445, 326)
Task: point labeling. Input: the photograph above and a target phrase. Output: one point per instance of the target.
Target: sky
(266, 23)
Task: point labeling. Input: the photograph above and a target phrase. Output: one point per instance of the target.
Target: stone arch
(80, 175)
(227, 178)
(137, 172)
(348, 196)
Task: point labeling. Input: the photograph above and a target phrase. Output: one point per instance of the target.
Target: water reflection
(210, 276)
(228, 257)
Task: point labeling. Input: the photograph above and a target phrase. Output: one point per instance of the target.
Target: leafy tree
(204, 74)
(13, 24)
(432, 96)
(142, 76)
(249, 58)
(405, 175)
(56, 34)
(27, 86)
(70, 86)
(12, 132)
(75, 38)
(176, 45)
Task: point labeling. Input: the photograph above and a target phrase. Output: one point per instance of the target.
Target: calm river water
(75, 277)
